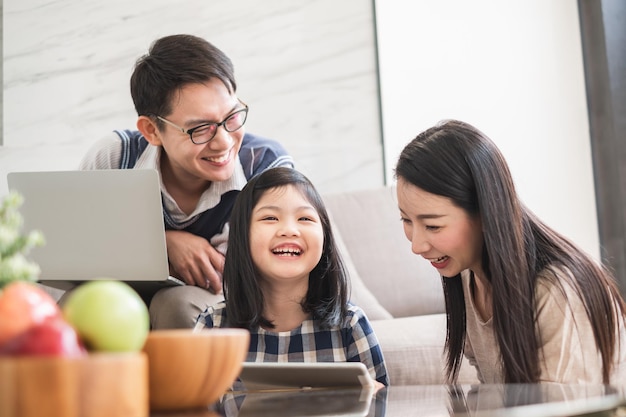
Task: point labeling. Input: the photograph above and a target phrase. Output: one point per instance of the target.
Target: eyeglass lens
(203, 134)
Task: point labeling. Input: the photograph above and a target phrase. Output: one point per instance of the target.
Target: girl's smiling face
(441, 232)
(286, 235)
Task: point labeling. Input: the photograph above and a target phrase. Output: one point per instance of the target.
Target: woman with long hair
(524, 303)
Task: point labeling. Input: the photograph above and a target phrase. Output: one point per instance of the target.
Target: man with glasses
(191, 129)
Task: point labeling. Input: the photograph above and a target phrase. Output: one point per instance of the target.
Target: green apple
(108, 316)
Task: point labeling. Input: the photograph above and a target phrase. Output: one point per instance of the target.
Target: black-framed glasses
(206, 131)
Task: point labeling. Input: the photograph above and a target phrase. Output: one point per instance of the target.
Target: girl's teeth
(289, 251)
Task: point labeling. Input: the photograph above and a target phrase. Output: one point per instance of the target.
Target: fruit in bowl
(22, 305)
(32, 324)
(53, 337)
(108, 315)
(44, 359)
(101, 316)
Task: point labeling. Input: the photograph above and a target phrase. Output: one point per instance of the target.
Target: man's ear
(149, 130)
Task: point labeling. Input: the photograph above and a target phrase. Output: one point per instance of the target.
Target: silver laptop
(103, 224)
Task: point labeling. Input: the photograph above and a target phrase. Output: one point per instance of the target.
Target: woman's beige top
(568, 350)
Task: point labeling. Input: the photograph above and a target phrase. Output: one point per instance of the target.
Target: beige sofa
(400, 292)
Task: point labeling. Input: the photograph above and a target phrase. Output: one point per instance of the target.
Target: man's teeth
(287, 252)
(218, 159)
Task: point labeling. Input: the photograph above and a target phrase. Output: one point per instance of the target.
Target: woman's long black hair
(327, 295)
(455, 160)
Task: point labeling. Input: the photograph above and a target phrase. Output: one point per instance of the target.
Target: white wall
(513, 69)
(306, 68)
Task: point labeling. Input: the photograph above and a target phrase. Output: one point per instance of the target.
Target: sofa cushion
(413, 350)
(369, 224)
(360, 295)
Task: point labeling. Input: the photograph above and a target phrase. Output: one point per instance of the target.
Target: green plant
(15, 245)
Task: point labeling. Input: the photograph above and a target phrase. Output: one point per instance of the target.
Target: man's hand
(194, 260)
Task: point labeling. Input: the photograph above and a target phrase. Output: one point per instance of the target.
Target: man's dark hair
(171, 63)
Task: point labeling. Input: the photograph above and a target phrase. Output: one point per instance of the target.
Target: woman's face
(440, 231)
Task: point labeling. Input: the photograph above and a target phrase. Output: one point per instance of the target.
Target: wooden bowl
(98, 385)
(189, 369)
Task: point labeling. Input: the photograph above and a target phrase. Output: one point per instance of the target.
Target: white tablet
(298, 375)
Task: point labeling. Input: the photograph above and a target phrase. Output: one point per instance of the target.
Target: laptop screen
(96, 224)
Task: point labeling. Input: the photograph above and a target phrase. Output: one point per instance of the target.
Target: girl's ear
(149, 130)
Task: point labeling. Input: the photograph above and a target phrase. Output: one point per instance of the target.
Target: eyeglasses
(206, 132)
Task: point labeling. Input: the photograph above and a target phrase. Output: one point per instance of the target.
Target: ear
(149, 130)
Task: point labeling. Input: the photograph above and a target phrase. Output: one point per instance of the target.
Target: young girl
(524, 303)
(284, 280)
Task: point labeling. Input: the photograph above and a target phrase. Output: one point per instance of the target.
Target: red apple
(23, 305)
(52, 337)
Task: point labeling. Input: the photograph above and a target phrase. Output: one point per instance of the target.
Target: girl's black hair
(327, 295)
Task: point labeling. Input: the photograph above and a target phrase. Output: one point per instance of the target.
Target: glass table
(541, 400)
